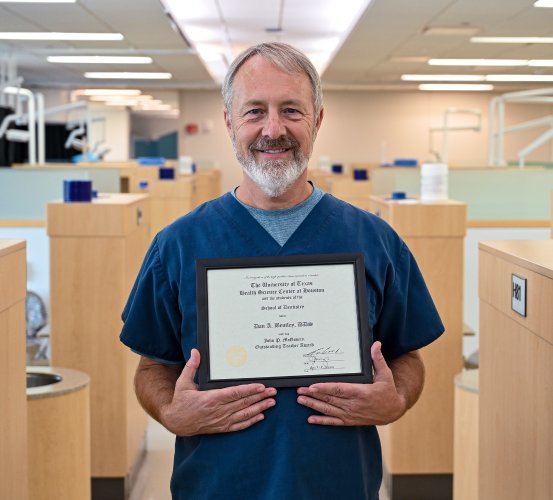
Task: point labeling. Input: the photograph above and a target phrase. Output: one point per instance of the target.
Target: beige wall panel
(495, 287)
(421, 442)
(465, 442)
(351, 191)
(166, 211)
(365, 127)
(429, 449)
(86, 303)
(13, 399)
(137, 419)
(516, 404)
(13, 272)
(59, 447)
(91, 278)
(13, 404)
(516, 363)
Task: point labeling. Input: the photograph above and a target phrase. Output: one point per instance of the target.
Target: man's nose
(273, 128)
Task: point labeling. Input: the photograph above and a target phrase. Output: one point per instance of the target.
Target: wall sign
(518, 294)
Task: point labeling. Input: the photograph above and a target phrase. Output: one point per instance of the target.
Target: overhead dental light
(16, 135)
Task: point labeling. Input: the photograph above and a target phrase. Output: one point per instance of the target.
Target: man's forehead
(257, 73)
(256, 66)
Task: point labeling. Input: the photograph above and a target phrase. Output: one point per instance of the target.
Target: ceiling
(388, 40)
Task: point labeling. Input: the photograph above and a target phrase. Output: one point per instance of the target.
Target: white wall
(205, 107)
(368, 127)
(38, 259)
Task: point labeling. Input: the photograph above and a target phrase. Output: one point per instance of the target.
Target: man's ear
(319, 119)
(227, 120)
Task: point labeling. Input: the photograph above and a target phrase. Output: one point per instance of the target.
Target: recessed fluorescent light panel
(443, 78)
(38, 1)
(60, 36)
(511, 39)
(519, 78)
(99, 59)
(450, 30)
(114, 97)
(544, 3)
(477, 78)
(216, 29)
(456, 87)
(108, 92)
(477, 62)
(128, 75)
(540, 62)
(409, 59)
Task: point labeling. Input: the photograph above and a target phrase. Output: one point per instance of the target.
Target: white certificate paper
(283, 321)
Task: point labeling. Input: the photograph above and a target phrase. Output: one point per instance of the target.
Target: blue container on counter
(166, 173)
(77, 191)
(398, 195)
(151, 161)
(405, 162)
(360, 174)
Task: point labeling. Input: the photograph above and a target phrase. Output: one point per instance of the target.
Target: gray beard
(274, 177)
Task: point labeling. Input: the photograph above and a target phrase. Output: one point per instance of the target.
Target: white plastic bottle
(434, 182)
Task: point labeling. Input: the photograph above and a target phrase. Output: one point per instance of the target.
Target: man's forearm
(154, 385)
(408, 372)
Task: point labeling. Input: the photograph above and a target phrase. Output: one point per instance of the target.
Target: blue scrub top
(282, 457)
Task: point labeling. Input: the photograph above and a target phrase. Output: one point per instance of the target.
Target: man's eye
(291, 111)
(254, 112)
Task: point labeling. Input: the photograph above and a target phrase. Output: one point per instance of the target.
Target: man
(250, 441)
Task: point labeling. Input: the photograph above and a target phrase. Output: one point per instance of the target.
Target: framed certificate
(283, 321)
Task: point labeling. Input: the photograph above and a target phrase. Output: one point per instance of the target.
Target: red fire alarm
(191, 128)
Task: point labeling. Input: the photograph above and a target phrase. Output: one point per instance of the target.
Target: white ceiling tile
(389, 28)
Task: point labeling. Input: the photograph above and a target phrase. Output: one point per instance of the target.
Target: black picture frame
(364, 333)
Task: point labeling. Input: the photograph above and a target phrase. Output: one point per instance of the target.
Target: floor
(154, 476)
(153, 479)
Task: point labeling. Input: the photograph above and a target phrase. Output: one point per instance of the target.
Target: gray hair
(283, 56)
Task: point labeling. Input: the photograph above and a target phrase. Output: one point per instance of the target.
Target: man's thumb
(189, 371)
(379, 363)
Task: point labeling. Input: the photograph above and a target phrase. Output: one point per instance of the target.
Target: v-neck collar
(261, 242)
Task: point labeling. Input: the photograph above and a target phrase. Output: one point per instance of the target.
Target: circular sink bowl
(42, 379)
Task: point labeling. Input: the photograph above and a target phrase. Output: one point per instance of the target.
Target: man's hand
(191, 411)
(378, 403)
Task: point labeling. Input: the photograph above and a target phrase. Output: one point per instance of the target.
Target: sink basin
(42, 379)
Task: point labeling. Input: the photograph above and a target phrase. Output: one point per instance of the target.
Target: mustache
(284, 142)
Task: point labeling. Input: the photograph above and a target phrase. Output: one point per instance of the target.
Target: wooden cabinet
(132, 175)
(207, 186)
(356, 192)
(169, 200)
(418, 449)
(13, 399)
(59, 435)
(516, 368)
(321, 178)
(96, 250)
(465, 436)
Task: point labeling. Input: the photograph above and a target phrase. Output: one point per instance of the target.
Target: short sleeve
(152, 317)
(408, 319)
